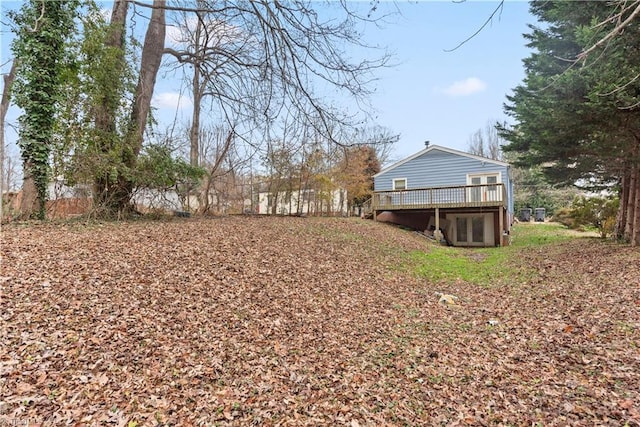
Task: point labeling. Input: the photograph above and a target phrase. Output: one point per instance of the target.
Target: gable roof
(444, 149)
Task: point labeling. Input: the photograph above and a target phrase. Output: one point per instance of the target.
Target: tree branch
(489, 19)
(614, 32)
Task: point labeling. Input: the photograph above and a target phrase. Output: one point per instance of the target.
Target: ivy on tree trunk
(41, 29)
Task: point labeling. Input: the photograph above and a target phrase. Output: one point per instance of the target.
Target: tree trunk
(205, 201)
(105, 113)
(194, 133)
(274, 203)
(151, 58)
(4, 106)
(105, 192)
(621, 218)
(30, 203)
(150, 64)
(118, 18)
(631, 206)
(635, 233)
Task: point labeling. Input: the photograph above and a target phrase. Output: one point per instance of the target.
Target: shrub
(597, 212)
(565, 217)
(159, 169)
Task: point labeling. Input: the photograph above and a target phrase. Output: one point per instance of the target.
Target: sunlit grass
(478, 266)
(537, 234)
(487, 266)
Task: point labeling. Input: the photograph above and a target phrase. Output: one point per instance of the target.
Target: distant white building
(143, 198)
(168, 200)
(58, 189)
(303, 202)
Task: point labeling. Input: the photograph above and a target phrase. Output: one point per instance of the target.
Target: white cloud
(465, 87)
(173, 100)
(175, 36)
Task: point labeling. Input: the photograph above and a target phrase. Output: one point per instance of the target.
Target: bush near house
(590, 212)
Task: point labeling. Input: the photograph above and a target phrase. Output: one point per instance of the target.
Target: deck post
(501, 224)
(437, 231)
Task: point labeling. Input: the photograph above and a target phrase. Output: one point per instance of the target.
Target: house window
(400, 184)
(476, 192)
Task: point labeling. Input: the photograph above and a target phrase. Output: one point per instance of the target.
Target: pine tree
(579, 116)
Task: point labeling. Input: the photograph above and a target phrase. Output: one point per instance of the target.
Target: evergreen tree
(578, 116)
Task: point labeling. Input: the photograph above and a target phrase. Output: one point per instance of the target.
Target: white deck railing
(482, 195)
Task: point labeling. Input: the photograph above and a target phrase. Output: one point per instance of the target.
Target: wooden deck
(462, 196)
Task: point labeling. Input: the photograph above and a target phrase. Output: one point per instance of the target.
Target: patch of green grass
(528, 235)
(487, 266)
(478, 266)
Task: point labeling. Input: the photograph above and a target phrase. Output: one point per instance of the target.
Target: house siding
(437, 168)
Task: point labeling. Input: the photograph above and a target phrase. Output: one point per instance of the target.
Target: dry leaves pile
(304, 321)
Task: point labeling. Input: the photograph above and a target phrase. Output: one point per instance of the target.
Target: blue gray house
(466, 199)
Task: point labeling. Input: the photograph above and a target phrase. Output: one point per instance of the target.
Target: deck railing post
(501, 225)
(437, 214)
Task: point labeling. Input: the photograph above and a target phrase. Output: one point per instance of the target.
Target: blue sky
(445, 97)
(431, 94)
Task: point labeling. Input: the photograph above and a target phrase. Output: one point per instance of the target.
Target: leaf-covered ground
(304, 321)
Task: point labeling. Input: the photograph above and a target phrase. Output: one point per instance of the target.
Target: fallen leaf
(626, 404)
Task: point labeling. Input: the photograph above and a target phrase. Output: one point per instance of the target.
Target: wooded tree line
(85, 82)
(577, 112)
(321, 168)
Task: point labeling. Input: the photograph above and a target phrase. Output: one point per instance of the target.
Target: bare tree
(198, 95)
(486, 142)
(193, 32)
(216, 151)
(282, 162)
(4, 106)
(116, 196)
(262, 58)
(258, 63)
(377, 138)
